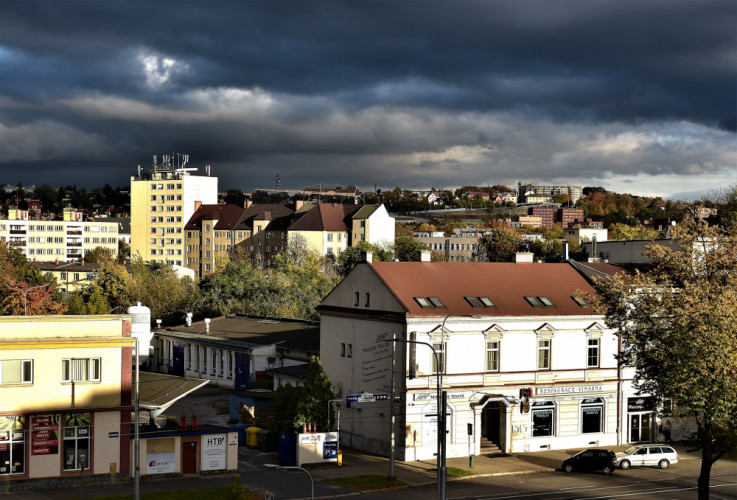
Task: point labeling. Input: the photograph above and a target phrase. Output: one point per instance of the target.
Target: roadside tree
(677, 323)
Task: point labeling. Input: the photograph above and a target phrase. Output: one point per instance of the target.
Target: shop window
(12, 445)
(77, 441)
(543, 419)
(592, 415)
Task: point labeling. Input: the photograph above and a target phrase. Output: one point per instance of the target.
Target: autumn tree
(23, 287)
(351, 256)
(626, 232)
(159, 288)
(408, 249)
(677, 323)
(500, 242)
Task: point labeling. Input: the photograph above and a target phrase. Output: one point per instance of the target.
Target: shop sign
(160, 463)
(432, 396)
(574, 389)
(214, 452)
(45, 435)
(641, 404)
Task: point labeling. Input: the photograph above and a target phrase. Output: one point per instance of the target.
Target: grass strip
(365, 483)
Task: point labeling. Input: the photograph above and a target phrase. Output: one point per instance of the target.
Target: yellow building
(65, 240)
(162, 202)
(65, 396)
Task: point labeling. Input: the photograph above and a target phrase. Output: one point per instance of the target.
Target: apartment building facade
(65, 240)
(162, 202)
(65, 399)
(525, 365)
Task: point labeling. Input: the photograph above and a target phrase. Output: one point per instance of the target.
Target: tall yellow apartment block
(162, 202)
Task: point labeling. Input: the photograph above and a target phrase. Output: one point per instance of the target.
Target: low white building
(526, 366)
(585, 234)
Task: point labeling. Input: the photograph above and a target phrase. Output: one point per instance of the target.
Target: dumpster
(268, 440)
(252, 437)
(241, 428)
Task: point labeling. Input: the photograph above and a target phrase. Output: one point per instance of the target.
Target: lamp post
(441, 418)
(25, 294)
(294, 467)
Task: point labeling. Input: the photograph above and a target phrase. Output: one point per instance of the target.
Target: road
(675, 483)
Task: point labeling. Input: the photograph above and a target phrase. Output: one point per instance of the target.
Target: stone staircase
(488, 447)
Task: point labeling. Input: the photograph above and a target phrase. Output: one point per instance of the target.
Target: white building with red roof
(525, 364)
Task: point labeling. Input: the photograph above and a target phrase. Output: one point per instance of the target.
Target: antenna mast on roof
(278, 180)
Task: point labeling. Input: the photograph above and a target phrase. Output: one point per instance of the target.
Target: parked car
(589, 460)
(647, 454)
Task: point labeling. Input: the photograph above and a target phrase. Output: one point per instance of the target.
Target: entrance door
(178, 364)
(189, 458)
(640, 427)
(490, 421)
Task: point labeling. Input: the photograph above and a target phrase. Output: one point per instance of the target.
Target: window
(592, 355)
(357, 295)
(438, 359)
(423, 302)
(546, 302)
(543, 354)
(330, 237)
(77, 441)
(80, 370)
(543, 419)
(12, 445)
(581, 302)
(349, 350)
(592, 415)
(214, 353)
(342, 349)
(368, 299)
(487, 302)
(16, 371)
(492, 355)
(473, 301)
(436, 302)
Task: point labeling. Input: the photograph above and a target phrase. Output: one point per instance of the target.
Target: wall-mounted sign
(44, 434)
(214, 447)
(641, 404)
(574, 389)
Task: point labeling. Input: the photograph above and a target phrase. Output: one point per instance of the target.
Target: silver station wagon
(647, 454)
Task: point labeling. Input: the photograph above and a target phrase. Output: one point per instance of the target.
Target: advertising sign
(160, 463)
(214, 452)
(330, 450)
(45, 435)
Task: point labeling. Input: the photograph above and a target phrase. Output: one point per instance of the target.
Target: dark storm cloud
(409, 93)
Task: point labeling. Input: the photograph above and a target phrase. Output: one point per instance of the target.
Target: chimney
(189, 320)
(298, 204)
(565, 251)
(207, 325)
(197, 205)
(523, 257)
(425, 256)
(367, 257)
(247, 204)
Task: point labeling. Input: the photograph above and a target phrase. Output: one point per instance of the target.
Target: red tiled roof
(327, 217)
(506, 284)
(226, 215)
(262, 211)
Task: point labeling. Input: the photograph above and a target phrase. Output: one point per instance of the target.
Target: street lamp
(294, 467)
(441, 418)
(25, 293)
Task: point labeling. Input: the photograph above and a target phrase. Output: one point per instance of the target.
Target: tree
(625, 232)
(351, 256)
(408, 249)
(98, 254)
(25, 299)
(158, 287)
(677, 323)
(312, 406)
(286, 398)
(500, 243)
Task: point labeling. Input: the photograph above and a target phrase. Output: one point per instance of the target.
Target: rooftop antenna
(207, 169)
(278, 180)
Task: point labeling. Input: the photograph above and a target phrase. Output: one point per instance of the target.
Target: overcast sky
(638, 96)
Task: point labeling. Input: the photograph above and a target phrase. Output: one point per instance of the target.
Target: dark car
(588, 460)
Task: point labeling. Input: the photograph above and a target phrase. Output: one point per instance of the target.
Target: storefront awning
(158, 391)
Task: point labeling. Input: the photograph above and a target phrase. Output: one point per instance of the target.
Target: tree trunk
(706, 463)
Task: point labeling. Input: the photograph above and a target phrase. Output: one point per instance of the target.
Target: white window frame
(492, 353)
(23, 371)
(93, 370)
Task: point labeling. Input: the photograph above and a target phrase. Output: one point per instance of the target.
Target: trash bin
(268, 440)
(252, 437)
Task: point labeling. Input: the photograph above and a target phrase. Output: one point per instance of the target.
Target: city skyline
(637, 97)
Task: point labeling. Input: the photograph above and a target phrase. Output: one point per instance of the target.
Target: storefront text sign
(214, 452)
(45, 434)
(159, 463)
(575, 389)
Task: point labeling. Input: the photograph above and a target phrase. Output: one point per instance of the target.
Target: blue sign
(330, 450)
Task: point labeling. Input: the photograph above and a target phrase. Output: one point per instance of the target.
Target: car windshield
(630, 450)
